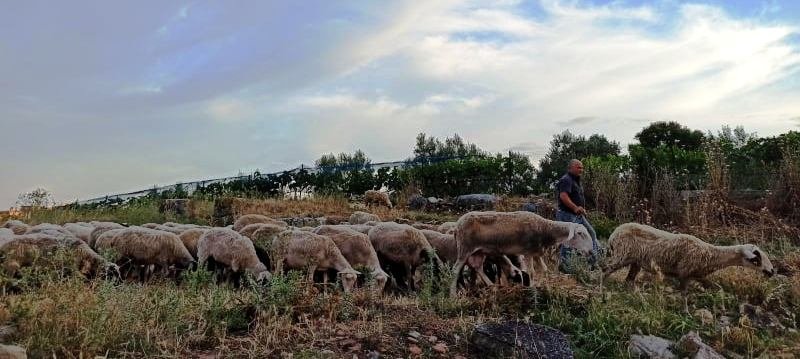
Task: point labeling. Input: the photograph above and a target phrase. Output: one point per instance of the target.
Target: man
(570, 208)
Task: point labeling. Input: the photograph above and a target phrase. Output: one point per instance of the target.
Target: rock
(520, 340)
(417, 203)
(530, 207)
(650, 346)
(705, 316)
(414, 334)
(476, 201)
(12, 352)
(440, 348)
(761, 318)
(692, 344)
(6, 332)
(415, 350)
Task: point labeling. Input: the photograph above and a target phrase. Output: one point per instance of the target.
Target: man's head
(575, 167)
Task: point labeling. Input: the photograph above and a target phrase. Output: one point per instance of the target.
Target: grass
(58, 313)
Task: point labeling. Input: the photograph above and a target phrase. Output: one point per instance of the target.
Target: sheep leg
(311, 269)
(460, 263)
(633, 270)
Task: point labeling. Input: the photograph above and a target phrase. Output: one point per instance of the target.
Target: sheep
(681, 256)
(359, 217)
(82, 232)
(445, 245)
(447, 227)
(312, 252)
(151, 225)
(425, 226)
(249, 229)
(18, 227)
(190, 237)
(229, 248)
(52, 230)
(100, 228)
(481, 234)
(362, 228)
(145, 246)
(377, 198)
(357, 249)
(6, 233)
(24, 250)
(246, 219)
(405, 246)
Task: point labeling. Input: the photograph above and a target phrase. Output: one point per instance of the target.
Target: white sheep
(359, 217)
(361, 228)
(447, 227)
(100, 228)
(82, 232)
(445, 245)
(372, 197)
(681, 256)
(227, 247)
(482, 234)
(246, 219)
(357, 249)
(404, 246)
(139, 246)
(16, 226)
(309, 251)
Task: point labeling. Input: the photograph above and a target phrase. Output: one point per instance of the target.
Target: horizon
(160, 94)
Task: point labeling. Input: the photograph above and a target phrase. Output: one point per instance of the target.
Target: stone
(651, 346)
(7, 332)
(761, 318)
(705, 316)
(417, 203)
(518, 339)
(414, 334)
(12, 352)
(476, 201)
(692, 344)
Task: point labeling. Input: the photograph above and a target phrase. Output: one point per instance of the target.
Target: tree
(670, 134)
(38, 198)
(431, 149)
(566, 146)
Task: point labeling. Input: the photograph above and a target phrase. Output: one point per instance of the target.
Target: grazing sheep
(359, 217)
(100, 228)
(445, 245)
(24, 250)
(248, 230)
(246, 219)
(377, 198)
(682, 256)
(82, 232)
(190, 238)
(6, 233)
(151, 225)
(52, 230)
(229, 248)
(447, 227)
(482, 234)
(430, 227)
(404, 246)
(145, 247)
(357, 249)
(312, 252)
(18, 227)
(362, 228)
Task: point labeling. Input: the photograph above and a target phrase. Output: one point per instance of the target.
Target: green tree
(670, 134)
(38, 198)
(429, 148)
(566, 146)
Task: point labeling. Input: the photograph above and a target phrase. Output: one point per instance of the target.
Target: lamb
(312, 252)
(357, 249)
(190, 237)
(377, 198)
(246, 219)
(24, 250)
(404, 246)
(227, 247)
(144, 246)
(681, 256)
(481, 234)
(18, 227)
(359, 217)
(447, 227)
(445, 245)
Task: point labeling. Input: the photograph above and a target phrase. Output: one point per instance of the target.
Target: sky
(102, 97)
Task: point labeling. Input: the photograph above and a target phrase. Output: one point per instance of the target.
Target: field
(56, 314)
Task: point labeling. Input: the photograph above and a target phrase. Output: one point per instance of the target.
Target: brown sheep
(404, 246)
(447, 227)
(227, 247)
(357, 249)
(445, 245)
(482, 234)
(190, 238)
(246, 219)
(372, 197)
(309, 251)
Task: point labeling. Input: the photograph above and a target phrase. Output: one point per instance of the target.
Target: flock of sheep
(493, 247)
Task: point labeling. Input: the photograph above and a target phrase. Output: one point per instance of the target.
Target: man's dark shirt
(572, 185)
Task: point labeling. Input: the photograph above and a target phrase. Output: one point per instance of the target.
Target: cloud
(582, 120)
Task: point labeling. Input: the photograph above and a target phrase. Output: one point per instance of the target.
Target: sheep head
(349, 278)
(380, 278)
(579, 239)
(754, 257)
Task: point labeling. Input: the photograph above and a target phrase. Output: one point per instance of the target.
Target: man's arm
(564, 196)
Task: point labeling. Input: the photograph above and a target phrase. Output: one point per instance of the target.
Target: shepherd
(571, 202)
